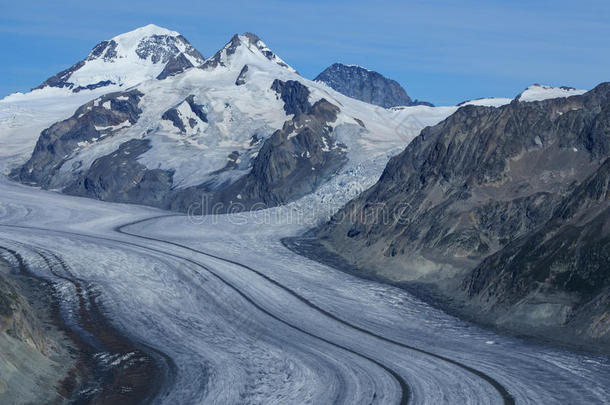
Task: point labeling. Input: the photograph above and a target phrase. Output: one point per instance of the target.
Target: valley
(182, 229)
(210, 295)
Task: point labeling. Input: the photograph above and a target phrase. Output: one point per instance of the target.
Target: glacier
(231, 315)
(245, 320)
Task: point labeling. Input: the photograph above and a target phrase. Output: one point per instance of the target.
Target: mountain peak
(246, 48)
(128, 59)
(151, 42)
(252, 37)
(146, 31)
(365, 85)
(338, 65)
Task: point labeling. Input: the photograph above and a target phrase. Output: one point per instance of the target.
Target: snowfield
(537, 92)
(24, 116)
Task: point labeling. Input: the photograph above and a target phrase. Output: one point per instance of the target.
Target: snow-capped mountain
(535, 92)
(487, 101)
(242, 128)
(366, 85)
(129, 59)
(243, 46)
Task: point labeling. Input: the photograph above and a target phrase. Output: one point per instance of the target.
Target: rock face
(559, 273)
(294, 95)
(241, 78)
(120, 177)
(17, 318)
(365, 85)
(293, 162)
(96, 119)
(36, 355)
(473, 186)
(177, 64)
(188, 113)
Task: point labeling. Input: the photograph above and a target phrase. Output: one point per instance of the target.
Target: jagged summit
(366, 85)
(244, 49)
(128, 59)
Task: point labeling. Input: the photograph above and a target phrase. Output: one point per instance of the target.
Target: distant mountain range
(156, 123)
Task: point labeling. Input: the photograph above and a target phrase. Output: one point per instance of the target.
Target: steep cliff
(366, 85)
(472, 186)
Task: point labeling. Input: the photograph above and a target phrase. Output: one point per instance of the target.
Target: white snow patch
(539, 92)
(488, 102)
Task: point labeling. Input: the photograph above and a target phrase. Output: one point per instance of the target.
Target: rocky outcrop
(188, 113)
(105, 50)
(94, 120)
(61, 79)
(293, 162)
(241, 77)
(294, 95)
(37, 358)
(365, 85)
(17, 318)
(164, 48)
(93, 86)
(472, 187)
(120, 177)
(176, 65)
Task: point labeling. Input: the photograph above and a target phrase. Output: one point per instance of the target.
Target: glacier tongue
(245, 320)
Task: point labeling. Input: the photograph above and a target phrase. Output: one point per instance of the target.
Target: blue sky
(442, 51)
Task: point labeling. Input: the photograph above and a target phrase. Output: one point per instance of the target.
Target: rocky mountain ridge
(561, 269)
(466, 189)
(366, 85)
